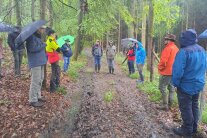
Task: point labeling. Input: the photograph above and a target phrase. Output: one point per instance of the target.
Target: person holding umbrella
(67, 53)
(36, 58)
(131, 58)
(52, 50)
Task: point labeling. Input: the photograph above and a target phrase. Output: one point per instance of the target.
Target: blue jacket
(140, 54)
(190, 65)
(36, 51)
(11, 38)
(66, 50)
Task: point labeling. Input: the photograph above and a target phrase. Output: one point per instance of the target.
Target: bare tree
(18, 13)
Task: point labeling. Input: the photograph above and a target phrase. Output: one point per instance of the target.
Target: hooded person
(110, 55)
(189, 77)
(52, 50)
(140, 61)
(165, 70)
(67, 53)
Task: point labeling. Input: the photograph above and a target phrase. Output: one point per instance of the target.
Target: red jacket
(167, 59)
(131, 54)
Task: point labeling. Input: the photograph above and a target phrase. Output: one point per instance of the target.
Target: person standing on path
(52, 50)
(67, 53)
(140, 61)
(189, 77)
(1, 56)
(131, 58)
(16, 50)
(165, 70)
(36, 60)
(97, 53)
(110, 55)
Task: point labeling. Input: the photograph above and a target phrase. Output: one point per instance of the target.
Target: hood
(187, 38)
(139, 45)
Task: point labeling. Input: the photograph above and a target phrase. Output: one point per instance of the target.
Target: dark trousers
(131, 66)
(55, 77)
(188, 105)
(18, 54)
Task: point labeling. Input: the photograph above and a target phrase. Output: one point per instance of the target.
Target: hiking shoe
(36, 104)
(180, 131)
(41, 100)
(140, 82)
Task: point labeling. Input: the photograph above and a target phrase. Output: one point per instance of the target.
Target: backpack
(111, 52)
(97, 51)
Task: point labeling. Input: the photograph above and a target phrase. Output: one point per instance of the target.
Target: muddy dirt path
(129, 114)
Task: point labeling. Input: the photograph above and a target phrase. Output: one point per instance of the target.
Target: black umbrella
(28, 30)
(6, 27)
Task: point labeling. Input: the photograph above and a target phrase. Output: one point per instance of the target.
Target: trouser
(188, 105)
(55, 76)
(66, 63)
(37, 76)
(111, 65)
(140, 69)
(131, 66)
(97, 62)
(17, 54)
(165, 83)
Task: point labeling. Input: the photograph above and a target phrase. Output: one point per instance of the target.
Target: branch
(9, 12)
(67, 5)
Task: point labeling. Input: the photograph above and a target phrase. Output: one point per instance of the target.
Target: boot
(109, 69)
(164, 105)
(96, 68)
(112, 70)
(99, 67)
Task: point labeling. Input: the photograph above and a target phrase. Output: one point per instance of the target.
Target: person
(1, 56)
(140, 61)
(52, 50)
(36, 61)
(97, 53)
(110, 55)
(165, 70)
(131, 58)
(67, 53)
(16, 50)
(189, 77)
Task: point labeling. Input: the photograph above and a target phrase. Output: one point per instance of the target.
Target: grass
(62, 90)
(108, 96)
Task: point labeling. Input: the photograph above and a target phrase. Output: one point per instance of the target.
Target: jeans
(36, 83)
(18, 54)
(97, 60)
(66, 63)
(55, 76)
(188, 105)
(140, 69)
(131, 66)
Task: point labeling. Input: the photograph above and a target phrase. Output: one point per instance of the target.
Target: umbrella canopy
(6, 27)
(126, 41)
(62, 39)
(28, 30)
(203, 35)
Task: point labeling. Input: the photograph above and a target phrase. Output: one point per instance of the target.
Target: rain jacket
(167, 59)
(190, 65)
(66, 50)
(51, 48)
(11, 38)
(140, 54)
(36, 51)
(131, 54)
(97, 51)
(110, 52)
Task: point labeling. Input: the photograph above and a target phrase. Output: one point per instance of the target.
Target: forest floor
(85, 111)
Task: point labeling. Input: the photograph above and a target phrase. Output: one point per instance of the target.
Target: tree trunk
(79, 36)
(33, 10)
(50, 14)
(119, 35)
(43, 9)
(144, 26)
(18, 13)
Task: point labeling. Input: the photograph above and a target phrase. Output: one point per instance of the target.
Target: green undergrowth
(62, 90)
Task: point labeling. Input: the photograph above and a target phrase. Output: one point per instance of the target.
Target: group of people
(38, 54)
(185, 70)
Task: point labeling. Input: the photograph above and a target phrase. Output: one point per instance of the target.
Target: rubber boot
(112, 70)
(164, 105)
(99, 67)
(109, 69)
(96, 68)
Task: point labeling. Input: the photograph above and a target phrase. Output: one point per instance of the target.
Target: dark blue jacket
(11, 38)
(140, 54)
(36, 51)
(65, 51)
(190, 65)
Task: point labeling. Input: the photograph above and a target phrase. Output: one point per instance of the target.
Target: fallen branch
(156, 57)
(67, 5)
